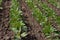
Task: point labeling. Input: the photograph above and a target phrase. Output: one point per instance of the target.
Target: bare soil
(5, 32)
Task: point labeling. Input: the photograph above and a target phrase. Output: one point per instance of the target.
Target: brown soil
(5, 32)
(57, 10)
(52, 20)
(35, 32)
(34, 28)
(31, 23)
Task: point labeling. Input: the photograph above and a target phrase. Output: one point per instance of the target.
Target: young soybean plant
(16, 22)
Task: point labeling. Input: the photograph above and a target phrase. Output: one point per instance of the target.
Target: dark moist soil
(5, 32)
